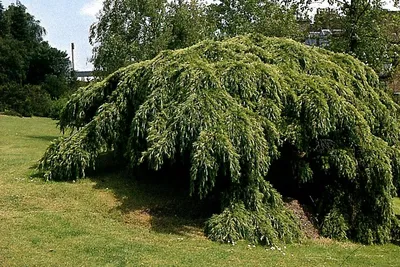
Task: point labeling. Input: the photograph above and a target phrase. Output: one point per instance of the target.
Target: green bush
(56, 107)
(238, 114)
(396, 229)
(335, 226)
(265, 226)
(11, 113)
(12, 98)
(27, 100)
(38, 101)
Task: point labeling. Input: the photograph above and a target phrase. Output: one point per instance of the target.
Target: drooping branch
(232, 111)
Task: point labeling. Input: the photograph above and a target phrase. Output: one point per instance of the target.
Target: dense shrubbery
(30, 100)
(250, 117)
(26, 100)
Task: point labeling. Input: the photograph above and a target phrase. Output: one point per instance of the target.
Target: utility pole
(73, 59)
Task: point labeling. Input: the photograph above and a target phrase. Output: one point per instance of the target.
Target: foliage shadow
(47, 138)
(154, 198)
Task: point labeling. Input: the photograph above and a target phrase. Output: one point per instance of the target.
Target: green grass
(106, 220)
(397, 206)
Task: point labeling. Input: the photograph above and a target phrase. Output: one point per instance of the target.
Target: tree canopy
(368, 31)
(249, 118)
(267, 17)
(132, 31)
(30, 69)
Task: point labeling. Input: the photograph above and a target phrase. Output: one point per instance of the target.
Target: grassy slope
(103, 221)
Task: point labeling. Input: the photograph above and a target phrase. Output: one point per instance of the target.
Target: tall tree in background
(2, 21)
(327, 18)
(132, 31)
(365, 32)
(126, 32)
(31, 71)
(13, 61)
(23, 47)
(23, 26)
(268, 17)
(50, 68)
(187, 23)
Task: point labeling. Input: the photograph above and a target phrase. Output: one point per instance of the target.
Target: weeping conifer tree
(250, 117)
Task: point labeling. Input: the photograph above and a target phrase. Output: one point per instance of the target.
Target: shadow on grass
(163, 208)
(155, 198)
(47, 138)
(147, 198)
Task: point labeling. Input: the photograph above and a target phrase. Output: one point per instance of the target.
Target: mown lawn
(104, 221)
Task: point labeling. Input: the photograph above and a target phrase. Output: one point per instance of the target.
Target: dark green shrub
(13, 98)
(11, 113)
(55, 86)
(56, 107)
(27, 100)
(335, 226)
(396, 229)
(38, 101)
(238, 113)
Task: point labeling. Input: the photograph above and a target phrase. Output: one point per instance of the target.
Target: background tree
(364, 33)
(132, 31)
(2, 21)
(13, 61)
(127, 31)
(30, 69)
(187, 23)
(49, 67)
(327, 18)
(270, 18)
(22, 25)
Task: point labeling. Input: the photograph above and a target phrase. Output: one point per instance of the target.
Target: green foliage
(396, 204)
(56, 107)
(2, 21)
(368, 31)
(50, 67)
(267, 17)
(26, 100)
(32, 73)
(396, 230)
(266, 226)
(13, 61)
(38, 101)
(230, 111)
(132, 31)
(327, 18)
(22, 26)
(335, 226)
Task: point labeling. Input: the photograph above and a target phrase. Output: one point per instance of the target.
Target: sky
(66, 22)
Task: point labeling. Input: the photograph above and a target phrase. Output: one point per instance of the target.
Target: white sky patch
(92, 8)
